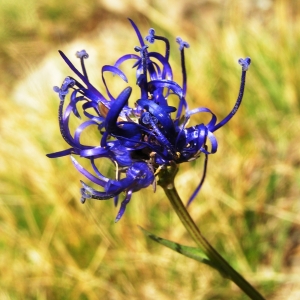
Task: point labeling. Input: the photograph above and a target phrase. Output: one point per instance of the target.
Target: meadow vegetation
(53, 247)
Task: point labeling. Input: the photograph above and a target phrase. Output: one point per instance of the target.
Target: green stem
(166, 181)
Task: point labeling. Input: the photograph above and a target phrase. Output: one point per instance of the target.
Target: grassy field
(53, 247)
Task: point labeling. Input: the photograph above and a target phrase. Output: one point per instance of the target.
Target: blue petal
(167, 70)
(92, 91)
(126, 57)
(167, 84)
(88, 192)
(115, 110)
(137, 32)
(123, 206)
(113, 70)
(87, 174)
(96, 151)
(61, 153)
(198, 188)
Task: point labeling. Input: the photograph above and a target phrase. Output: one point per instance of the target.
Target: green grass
(52, 247)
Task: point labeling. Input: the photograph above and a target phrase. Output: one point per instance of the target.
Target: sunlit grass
(53, 247)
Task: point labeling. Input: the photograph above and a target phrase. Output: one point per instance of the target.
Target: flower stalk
(166, 181)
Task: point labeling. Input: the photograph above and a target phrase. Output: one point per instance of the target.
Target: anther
(245, 63)
(151, 37)
(82, 54)
(182, 44)
(140, 49)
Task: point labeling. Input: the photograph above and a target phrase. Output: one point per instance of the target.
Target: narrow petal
(62, 153)
(125, 58)
(91, 88)
(198, 188)
(123, 206)
(137, 32)
(116, 108)
(87, 174)
(88, 192)
(115, 71)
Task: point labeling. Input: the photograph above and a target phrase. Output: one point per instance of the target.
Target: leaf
(191, 252)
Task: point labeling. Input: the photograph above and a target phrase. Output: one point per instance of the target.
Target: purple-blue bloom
(139, 140)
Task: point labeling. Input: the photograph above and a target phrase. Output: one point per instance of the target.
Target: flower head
(139, 140)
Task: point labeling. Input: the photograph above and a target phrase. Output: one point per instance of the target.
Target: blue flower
(139, 140)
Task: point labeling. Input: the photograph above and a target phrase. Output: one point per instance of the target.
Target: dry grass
(52, 247)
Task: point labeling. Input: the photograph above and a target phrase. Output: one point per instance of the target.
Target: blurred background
(53, 247)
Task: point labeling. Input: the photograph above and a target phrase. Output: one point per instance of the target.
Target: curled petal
(80, 129)
(167, 70)
(98, 172)
(115, 71)
(214, 144)
(92, 92)
(74, 100)
(87, 174)
(123, 206)
(125, 58)
(88, 192)
(167, 84)
(63, 119)
(213, 120)
(198, 188)
(95, 106)
(161, 100)
(154, 70)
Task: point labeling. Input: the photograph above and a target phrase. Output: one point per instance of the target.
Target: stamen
(245, 63)
(158, 169)
(144, 57)
(83, 55)
(201, 182)
(145, 118)
(182, 45)
(152, 37)
(64, 90)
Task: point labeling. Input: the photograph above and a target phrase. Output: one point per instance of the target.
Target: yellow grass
(53, 247)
